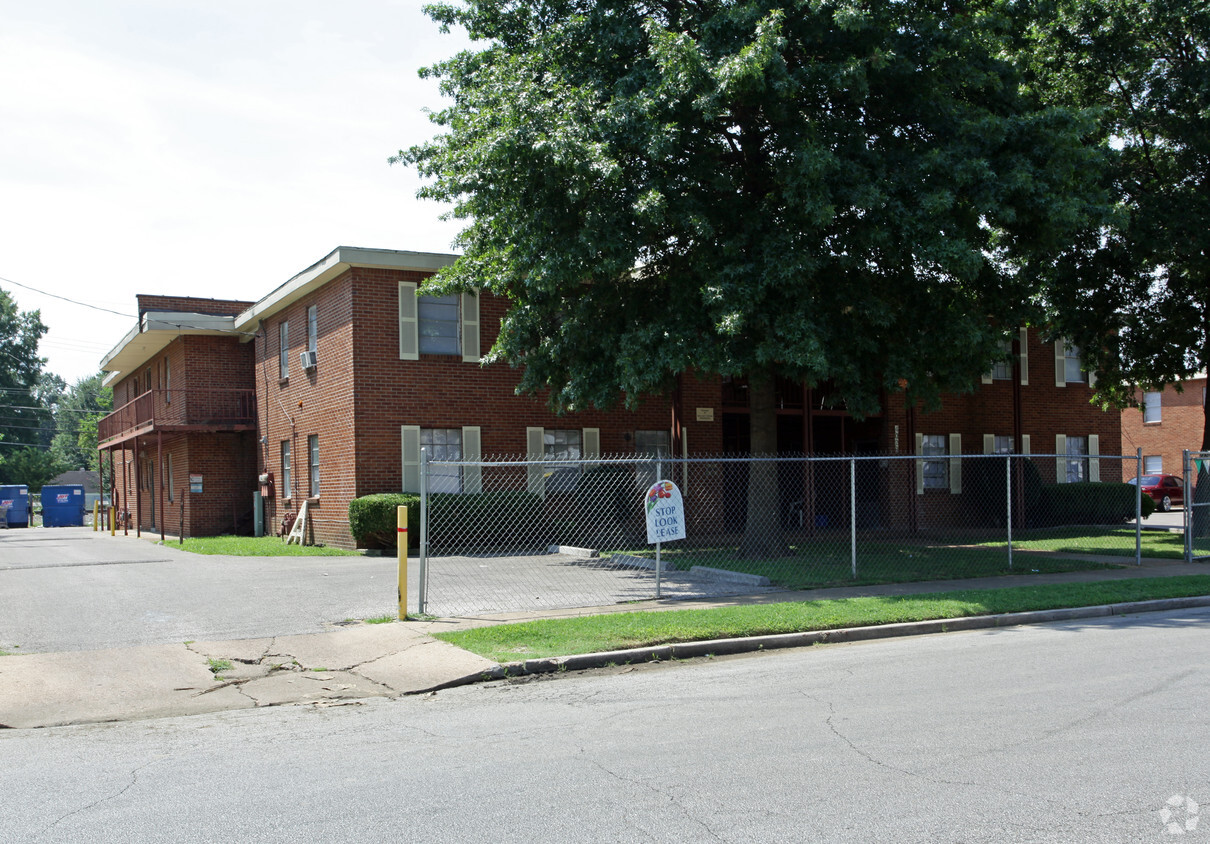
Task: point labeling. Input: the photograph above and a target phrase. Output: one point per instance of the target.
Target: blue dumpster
(63, 506)
(15, 499)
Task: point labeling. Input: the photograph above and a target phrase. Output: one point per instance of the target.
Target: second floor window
(283, 349)
(438, 324)
(1073, 365)
(312, 328)
(1152, 411)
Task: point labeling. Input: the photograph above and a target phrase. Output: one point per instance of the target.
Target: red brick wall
(1182, 422)
(191, 304)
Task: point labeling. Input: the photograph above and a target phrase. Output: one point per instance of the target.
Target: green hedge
(373, 522)
(460, 520)
(1091, 503)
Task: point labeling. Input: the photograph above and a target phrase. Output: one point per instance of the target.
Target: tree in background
(827, 192)
(1134, 293)
(23, 413)
(76, 415)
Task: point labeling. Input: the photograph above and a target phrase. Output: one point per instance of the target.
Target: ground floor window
(313, 466)
(443, 444)
(1077, 459)
(1003, 445)
(287, 490)
(562, 444)
(936, 472)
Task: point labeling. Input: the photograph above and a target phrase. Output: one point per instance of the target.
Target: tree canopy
(1134, 293)
(826, 191)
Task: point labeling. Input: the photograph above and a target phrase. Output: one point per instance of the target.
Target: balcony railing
(177, 410)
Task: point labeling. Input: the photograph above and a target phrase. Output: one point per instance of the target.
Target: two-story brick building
(328, 387)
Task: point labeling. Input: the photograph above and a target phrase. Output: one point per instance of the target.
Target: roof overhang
(338, 261)
(154, 331)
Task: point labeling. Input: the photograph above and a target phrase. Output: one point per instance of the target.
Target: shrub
(483, 519)
(1091, 503)
(987, 496)
(373, 522)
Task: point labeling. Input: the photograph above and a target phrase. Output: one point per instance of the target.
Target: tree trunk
(762, 530)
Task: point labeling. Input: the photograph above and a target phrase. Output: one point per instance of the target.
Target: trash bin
(63, 506)
(15, 499)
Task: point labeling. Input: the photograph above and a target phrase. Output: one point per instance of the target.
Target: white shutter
(1025, 444)
(592, 443)
(919, 464)
(535, 451)
(989, 443)
(1060, 458)
(470, 328)
(1094, 465)
(409, 435)
(472, 449)
(986, 378)
(1092, 378)
(1060, 364)
(1024, 357)
(955, 464)
(409, 336)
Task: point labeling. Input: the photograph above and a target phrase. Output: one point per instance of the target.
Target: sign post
(401, 539)
(665, 511)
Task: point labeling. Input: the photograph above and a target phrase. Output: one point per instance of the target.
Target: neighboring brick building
(344, 374)
(1165, 424)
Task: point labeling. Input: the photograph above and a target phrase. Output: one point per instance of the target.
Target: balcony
(179, 410)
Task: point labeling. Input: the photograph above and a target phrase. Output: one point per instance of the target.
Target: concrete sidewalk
(364, 660)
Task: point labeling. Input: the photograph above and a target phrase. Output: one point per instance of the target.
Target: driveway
(72, 589)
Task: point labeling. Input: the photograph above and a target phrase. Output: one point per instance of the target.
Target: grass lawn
(257, 546)
(1112, 541)
(617, 631)
(813, 565)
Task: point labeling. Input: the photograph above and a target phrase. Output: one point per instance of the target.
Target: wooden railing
(179, 410)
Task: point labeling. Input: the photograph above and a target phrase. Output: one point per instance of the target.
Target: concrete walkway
(368, 660)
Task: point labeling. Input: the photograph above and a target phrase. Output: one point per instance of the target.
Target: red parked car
(1166, 490)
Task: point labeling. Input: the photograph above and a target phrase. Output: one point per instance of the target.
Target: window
(651, 443)
(1153, 465)
(935, 472)
(438, 325)
(1073, 372)
(171, 486)
(443, 444)
(313, 466)
(287, 491)
(1002, 370)
(1152, 411)
(1077, 459)
(283, 345)
(1003, 445)
(437, 318)
(312, 328)
(561, 444)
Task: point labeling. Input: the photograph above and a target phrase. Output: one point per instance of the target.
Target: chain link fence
(510, 534)
(1196, 474)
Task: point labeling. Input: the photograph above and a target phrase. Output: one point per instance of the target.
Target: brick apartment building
(327, 388)
(1165, 424)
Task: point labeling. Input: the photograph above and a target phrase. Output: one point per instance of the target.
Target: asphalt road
(1071, 732)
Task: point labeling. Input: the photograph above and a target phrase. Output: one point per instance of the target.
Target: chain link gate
(514, 534)
(1196, 474)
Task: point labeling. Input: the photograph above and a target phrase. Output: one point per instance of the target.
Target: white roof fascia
(329, 267)
(155, 330)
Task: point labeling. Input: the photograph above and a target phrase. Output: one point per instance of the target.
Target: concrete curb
(686, 650)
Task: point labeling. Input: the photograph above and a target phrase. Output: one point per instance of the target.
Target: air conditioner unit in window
(307, 359)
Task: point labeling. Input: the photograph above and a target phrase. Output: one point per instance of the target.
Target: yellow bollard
(113, 528)
(401, 539)
(96, 515)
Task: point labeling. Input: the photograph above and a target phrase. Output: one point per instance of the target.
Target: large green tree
(825, 191)
(1134, 293)
(76, 415)
(22, 410)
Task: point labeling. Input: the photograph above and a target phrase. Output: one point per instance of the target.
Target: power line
(65, 299)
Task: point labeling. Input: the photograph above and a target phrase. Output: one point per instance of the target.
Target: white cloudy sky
(211, 148)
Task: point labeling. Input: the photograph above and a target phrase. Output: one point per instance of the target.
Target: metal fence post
(853, 514)
(423, 585)
(1185, 476)
(1008, 486)
(659, 564)
(1138, 506)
